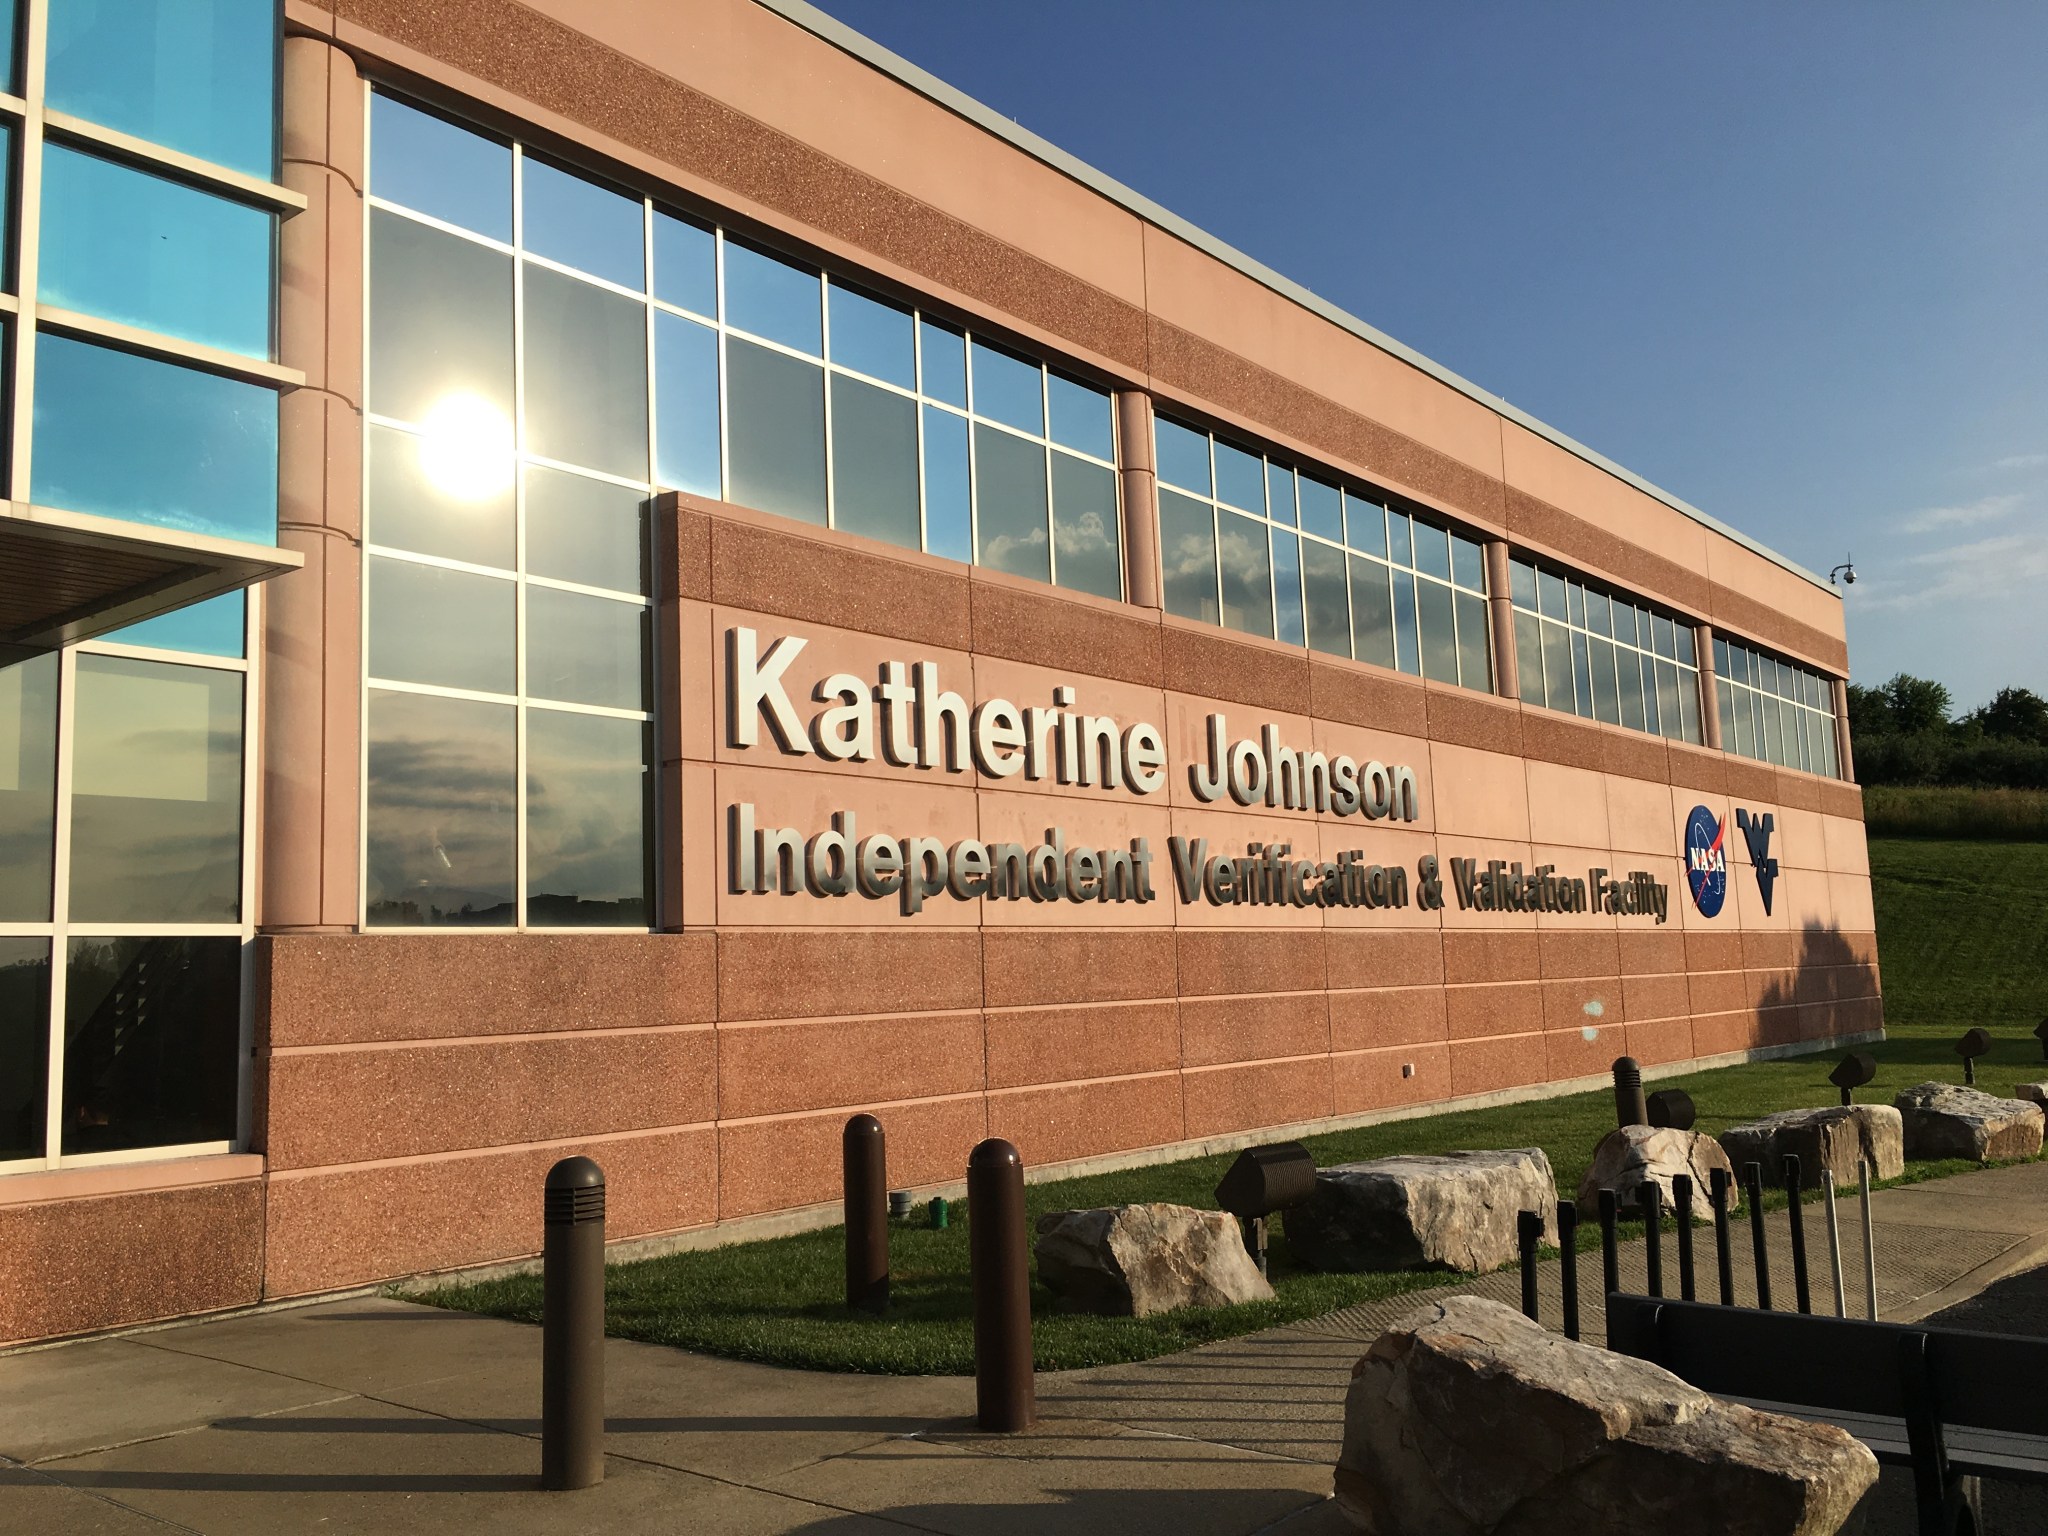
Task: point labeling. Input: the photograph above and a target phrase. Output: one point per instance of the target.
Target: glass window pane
(440, 323)
(775, 430)
(1722, 666)
(1724, 706)
(773, 299)
(24, 1045)
(1010, 503)
(28, 792)
(156, 793)
(586, 821)
(443, 798)
(942, 363)
(1187, 550)
(195, 452)
(215, 626)
(871, 336)
(1688, 704)
(1372, 613)
(686, 405)
(1087, 554)
(1557, 666)
(582, 224)
(1183, 455)
(1606, 704)
(584, 530)
(1406, 657)
(1247, 570)
(200, 76)
(1550, 600)
(1745, 722)
(1522, 584)
(1664, 634)
(1582, 676)
(152, 1042)
(1599, 613)
(585, 650)
(1575, 604)
(1322, 509)
(1628, 666)
(1475, 652)
(433, 625)
(1686, 651)
(1287, 587)
(1324, 593)
(428, 495)
(1240, 477)
(1400, 538)
(586, 374)
(1468, 563)
(1439, 632)
(948, 520)
(1529, 655)
(1081, 416)
(685, 264)
(10, 25)
(128, 246)
(439, 169)
(1432, 550)
(1653, 703)
(1008, 388)
(874, 461)
(1365, 525)
(1280, 493)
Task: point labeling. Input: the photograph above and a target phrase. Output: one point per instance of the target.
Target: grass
(1960, 940)
(2007, 815)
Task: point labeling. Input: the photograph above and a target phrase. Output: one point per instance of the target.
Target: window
(1774, 710)
(1595, 653)
(1256, 545)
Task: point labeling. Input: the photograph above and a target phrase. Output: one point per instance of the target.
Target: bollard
(1827, 1186)
(864, 1164)
(1568, 1263)
(1652, 1196)
(1610, 1254)
(1529, 1233)
(1802, 1294)
(1629, 1105)
(572, 1326)
(1869, 1251)
(1719, 1188)
(998, 1260)
(1753, 1191)
(1681, 1197)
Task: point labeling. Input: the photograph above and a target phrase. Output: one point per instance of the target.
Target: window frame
(1571, 618)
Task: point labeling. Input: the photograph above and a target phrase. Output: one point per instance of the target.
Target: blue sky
(1790, 263)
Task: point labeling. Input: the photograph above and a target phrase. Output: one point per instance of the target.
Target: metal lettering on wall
(909, 719)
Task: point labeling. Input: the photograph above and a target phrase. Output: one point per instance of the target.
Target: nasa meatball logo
(1706, 860)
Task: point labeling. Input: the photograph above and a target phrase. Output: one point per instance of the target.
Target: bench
(1955, 1406)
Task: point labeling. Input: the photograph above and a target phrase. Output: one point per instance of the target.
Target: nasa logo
(1706, 860)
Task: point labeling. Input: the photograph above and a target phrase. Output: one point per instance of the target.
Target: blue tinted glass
(685, 263)
(873, 338)
(1468, 566)
(1400, 546)
(1322, 509)
(1433, 551)
(9, 21)
(1240, 477)
(212, 628)
(769, 298)
(1287, 588)
(6, 166)
(948, 524)
(1406, 656)
(199, 76)
(154, 253)
(1080, 416)
(1365, 525)
(1008, 389)
(583, 225)
(1183, 455)
(686, 405)
(1279, 493)
(436, 168)
(195, 451)
(943, 362)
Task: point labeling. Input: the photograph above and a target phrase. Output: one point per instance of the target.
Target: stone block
(1635, 1155)
(1949, 1120)
(1457, 1209)
(1135, 1260)
(1831, 1137)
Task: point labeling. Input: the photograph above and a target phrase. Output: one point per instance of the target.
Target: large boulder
(1134, 1260)
(1467, 1419)
(2033, 1093)
(1948, 1120)
(1831, 1137)
(1454, 1208)
(1635, 1155)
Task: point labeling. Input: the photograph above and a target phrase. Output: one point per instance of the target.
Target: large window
(1256, 545)
(1595, 653)
(1775, 711)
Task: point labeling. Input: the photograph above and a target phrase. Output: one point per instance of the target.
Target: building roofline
(954, 100)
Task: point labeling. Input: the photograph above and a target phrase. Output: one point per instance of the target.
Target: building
(634, 578)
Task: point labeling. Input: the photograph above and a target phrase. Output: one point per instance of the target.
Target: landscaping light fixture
(1671, 1109)
(1975, 1043)
(1264, 1180)
(1852, 1072)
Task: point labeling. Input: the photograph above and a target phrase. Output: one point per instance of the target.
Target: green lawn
(1961, 940)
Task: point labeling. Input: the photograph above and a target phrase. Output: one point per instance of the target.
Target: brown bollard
(572, 1326)
(999, 1259)
(865, 1165)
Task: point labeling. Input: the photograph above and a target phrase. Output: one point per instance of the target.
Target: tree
(1870, 712)
(2016, 714)
(1917, 704)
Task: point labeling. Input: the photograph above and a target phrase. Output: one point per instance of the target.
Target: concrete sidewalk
(369, 1416)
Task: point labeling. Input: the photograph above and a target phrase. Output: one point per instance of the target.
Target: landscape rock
(1634, 1155)
(2033, 1093)
(1467, 1419)
(1454, 1208)
(1833, 1137)
(1949, 1120)
(1135, 1260)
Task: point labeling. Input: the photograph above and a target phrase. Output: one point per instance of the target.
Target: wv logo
(1756, 831)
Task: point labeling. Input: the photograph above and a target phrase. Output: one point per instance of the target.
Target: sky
(1789, 263)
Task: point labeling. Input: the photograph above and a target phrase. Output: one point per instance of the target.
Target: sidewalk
(380, 1416)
